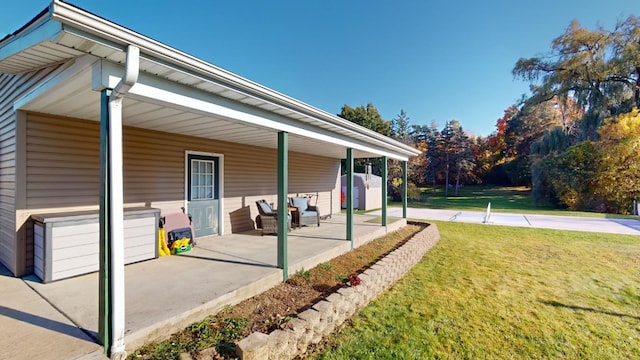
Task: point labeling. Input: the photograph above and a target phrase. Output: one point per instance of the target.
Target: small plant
(230, 331)
(226, 308)
(277, 321)
(200, 329)
(354, 280)
(305, 274)
(342, 277)
(325, 266)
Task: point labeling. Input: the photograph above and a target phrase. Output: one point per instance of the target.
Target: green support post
(104, 286)
(384, 191)
(404, 189)
(349, 195)
(283, 212)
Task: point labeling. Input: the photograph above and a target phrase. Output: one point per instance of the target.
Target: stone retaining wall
(325, 316)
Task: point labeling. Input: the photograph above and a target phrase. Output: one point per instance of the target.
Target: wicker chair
(305, 214)
(269, 218)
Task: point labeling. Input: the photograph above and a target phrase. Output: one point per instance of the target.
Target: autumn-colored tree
(602, 176)
(618, 177)
(497, 142)
(567, 179)
(490, 163)
(527, 126)
(482, 159)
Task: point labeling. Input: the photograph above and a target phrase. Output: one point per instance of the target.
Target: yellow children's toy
(163, 249)
(180, 246)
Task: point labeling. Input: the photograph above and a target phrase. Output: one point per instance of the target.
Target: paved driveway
(612, 226)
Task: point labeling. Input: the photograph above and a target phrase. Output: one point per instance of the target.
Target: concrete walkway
(31, 328)
(611, 226)
(59, 320)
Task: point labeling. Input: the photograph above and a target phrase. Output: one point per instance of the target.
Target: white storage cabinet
(68, 244)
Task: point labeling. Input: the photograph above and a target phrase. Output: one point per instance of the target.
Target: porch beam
(349, 196)
(283, 206)
(384, 191)
(404, 189)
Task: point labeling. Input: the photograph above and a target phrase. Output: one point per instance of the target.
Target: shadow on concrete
(5, 272)
(49, 324)
(227, 261)
(322, 237)
(588, 309)
(245, 261)
(628, 223)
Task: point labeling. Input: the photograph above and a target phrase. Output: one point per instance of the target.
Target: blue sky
(437, 60)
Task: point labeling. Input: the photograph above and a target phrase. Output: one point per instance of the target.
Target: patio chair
(305, 214)
(269, 218)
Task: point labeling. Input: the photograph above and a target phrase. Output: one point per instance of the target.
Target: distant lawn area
(477, 197)
(506, 292)
(503, 199)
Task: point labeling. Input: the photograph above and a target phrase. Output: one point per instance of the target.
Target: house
(100, 125)
(367, 191)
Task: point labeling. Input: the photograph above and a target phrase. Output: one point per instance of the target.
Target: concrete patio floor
(166, 294)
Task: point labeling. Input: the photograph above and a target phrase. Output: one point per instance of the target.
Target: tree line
(574, 140)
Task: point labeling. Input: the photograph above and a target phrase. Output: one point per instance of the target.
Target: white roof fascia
(384, 142)
(161, 91)
(89, 23)
(40, 30)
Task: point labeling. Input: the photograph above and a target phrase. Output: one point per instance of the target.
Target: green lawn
(503, 199)
(506, 292)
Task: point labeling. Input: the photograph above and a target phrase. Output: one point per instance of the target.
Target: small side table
(295, 217)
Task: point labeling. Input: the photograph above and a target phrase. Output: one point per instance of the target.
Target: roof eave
(72, 16)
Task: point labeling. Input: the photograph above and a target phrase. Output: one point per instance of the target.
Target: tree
(568, 179)
(599, 68)
(368, 117)
(602, 176)
(618, 177)
(400, 129)
(432, 140)
(491, 164)
(454, 150)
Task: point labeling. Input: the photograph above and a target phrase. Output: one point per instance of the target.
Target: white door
(203, 200)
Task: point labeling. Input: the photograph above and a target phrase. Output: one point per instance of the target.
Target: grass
(503, 199)
(378, 220)
(506, 292)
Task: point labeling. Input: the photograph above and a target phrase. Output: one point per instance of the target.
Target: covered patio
(167, 294)
(101, 118)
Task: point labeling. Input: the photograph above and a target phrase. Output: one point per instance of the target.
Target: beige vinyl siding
(63, 171)
(63, 167)
(12, 241)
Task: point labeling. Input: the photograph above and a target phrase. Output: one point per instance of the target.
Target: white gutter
(82, 20)
(131, 72)
(116, 203)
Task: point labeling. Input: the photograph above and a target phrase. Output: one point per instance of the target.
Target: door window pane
(202, 181)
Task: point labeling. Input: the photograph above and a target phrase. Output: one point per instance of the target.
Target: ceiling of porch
(76, 99)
